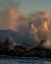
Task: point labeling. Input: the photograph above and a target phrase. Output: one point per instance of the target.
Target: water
(24, 61)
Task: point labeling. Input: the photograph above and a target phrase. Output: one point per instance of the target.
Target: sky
(29, 6)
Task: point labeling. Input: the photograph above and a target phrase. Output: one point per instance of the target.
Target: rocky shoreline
(21, 51)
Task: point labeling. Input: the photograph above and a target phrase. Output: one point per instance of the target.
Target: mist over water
(30, 29)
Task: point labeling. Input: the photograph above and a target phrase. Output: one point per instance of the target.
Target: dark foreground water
(24, 61)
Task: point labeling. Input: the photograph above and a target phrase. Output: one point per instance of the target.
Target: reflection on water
(23, 61)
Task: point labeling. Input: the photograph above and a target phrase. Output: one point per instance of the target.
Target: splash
(31, 29)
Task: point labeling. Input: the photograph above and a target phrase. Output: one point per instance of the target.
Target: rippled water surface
(24, 61)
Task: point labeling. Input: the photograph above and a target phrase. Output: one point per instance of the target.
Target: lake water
(24, 61)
